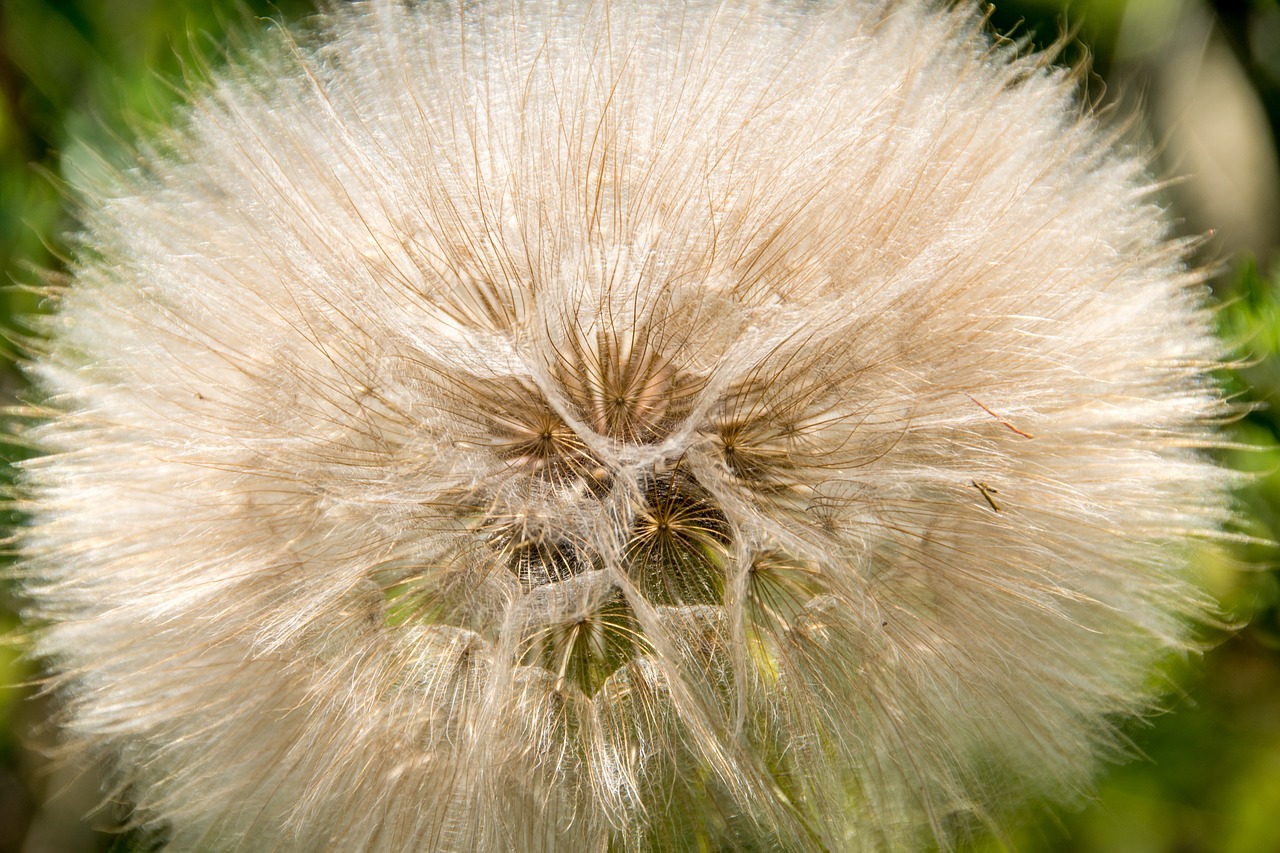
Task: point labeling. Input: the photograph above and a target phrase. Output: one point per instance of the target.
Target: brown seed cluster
(565, 506)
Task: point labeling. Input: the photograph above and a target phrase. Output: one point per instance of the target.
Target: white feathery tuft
(611, 425)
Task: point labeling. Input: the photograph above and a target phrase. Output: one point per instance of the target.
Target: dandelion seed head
(609, 425)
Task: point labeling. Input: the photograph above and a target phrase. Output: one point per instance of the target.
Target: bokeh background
(1200, 83)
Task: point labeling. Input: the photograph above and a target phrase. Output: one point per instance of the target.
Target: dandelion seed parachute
(613, 425)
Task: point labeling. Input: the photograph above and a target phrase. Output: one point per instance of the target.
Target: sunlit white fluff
(616, 425)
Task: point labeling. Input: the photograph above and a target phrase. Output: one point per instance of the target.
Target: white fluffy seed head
(612, 425)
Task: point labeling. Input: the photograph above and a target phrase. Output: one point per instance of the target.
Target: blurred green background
(79, 76)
